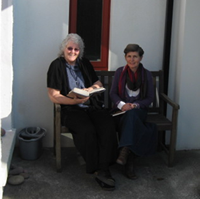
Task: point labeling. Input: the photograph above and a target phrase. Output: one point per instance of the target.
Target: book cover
(83, 93)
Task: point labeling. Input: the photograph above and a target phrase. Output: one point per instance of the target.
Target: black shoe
(105, 180)
(130, 173)
(129, 170)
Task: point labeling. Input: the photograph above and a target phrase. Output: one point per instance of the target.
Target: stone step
(7, 147)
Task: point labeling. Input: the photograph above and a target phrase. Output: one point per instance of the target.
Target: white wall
(141, 22)
(6, 72)
(6, 76)
(185, 70)
(39, 28)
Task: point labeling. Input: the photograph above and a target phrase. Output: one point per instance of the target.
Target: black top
(57, 76)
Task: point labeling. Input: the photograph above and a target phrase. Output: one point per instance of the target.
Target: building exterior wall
(40, 26)
(6, 71)
(141, 22)
(184, 71)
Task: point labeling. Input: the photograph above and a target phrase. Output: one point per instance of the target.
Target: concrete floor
(156, 180)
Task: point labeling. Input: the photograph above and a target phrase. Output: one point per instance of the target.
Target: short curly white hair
(75, 38)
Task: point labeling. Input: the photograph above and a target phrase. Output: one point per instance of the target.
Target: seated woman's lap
(78, 119)
(93, 132)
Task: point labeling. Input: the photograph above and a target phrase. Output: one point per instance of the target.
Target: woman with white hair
(91, 125)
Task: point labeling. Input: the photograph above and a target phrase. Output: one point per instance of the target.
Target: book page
(84, 93)
(75, 95)
(97, 90)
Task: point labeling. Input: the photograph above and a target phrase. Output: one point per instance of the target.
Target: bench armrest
(174, 120)
(169, 101)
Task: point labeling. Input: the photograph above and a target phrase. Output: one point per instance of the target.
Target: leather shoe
(129, 171)
(123, 155)
(105, 180)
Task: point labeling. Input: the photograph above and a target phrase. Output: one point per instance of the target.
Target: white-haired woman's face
(71, 52)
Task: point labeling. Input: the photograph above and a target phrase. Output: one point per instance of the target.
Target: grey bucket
(30, 142)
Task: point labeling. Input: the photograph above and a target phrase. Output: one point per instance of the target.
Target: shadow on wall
(5, 4)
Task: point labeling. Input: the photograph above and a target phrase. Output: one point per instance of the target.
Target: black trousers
(94, 135)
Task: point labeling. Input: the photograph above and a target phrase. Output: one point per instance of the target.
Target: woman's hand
(89, 89)
(128, 106)
(81, 100)
(97, 84)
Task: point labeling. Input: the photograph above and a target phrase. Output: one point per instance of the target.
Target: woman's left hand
(127, 106)
(89, 89)
(133, 106)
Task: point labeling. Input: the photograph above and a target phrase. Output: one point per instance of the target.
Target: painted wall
(185, 70)
(40, 26)
(140, 22)
(38, 31)
(6, 71)
(6, 77)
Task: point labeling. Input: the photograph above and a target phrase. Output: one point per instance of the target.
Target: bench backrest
(106, 77)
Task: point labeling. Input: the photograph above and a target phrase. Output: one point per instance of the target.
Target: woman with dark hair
(91, 125)
(132, 92)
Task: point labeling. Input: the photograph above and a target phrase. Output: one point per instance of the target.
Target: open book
(83, 93)
(117, 112)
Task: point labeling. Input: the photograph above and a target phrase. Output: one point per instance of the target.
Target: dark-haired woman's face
(133, 60)
(71, 53)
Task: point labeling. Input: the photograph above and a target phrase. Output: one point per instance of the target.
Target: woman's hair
(134, 48)
(75, 38)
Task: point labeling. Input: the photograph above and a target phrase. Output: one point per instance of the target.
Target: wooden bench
(156, 115)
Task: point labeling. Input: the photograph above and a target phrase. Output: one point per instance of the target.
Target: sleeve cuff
(120, 105)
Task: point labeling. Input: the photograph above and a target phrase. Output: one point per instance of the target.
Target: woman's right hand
(127, 106)
(81, 100)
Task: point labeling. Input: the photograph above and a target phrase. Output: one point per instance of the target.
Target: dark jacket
(144, 103)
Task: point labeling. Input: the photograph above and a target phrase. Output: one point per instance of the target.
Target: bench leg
(172, 148)
(57, 141)
(58, 152)
(58, 148)
(161, 140)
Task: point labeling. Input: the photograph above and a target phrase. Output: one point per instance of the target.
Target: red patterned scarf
(133, 80)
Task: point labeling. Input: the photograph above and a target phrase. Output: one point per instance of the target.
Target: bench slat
(161, 121)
